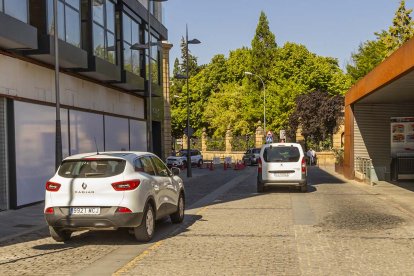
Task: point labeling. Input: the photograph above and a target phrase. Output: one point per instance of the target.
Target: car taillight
(126, 185)
(52, 186)
(49, 210)
(303, 165)
(259, 165)
(123, 210)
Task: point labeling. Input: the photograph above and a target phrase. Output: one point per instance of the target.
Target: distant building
(103, 86)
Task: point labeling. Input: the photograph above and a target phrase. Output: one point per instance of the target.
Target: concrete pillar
(259, 136)
(299, 137)
(204, 140)
(229, 138)
(338, 137)
(166, 132)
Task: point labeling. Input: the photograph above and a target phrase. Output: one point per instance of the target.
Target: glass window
(131, 36)
(104, 30)
(162, 170)
(73, 32)
(138, 135)
(154, 59)
(85, 129)
(69, 21)
(148, 166)
(16, 8)
(116, 133)
(98, 41)
(35, 128)
(91, 168)
(281, 154)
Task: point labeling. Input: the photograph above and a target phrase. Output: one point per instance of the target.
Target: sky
(333, 28)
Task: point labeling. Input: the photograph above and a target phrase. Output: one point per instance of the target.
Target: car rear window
(91, 168)
(256, 151)
(281, 154)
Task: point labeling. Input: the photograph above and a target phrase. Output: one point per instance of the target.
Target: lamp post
(58, 129)
(149, 115)
(264, 98)
(192, 41)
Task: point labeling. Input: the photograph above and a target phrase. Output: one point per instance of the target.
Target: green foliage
(222, 96)
(373, 52)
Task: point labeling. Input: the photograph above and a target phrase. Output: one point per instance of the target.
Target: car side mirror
(175, 171)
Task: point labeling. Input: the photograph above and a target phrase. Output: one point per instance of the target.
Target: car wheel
(260, 187)
(145, 231)
(178, 216)
(59, 235)
(200, 163)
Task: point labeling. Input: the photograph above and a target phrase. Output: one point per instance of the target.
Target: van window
(281, 154)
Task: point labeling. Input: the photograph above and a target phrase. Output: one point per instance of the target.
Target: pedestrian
(312, 156)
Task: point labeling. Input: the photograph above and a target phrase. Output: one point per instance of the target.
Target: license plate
(85, 211)
(281, 174)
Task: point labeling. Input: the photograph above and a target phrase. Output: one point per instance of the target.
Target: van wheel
(260, 187)
(178, 216)
(59, 235)
(145, 231)
(304, 188)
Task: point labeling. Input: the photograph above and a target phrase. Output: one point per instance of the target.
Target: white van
(282, 164)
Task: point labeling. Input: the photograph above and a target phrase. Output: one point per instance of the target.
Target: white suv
(109, 190)
(180, 160)
(282, 164)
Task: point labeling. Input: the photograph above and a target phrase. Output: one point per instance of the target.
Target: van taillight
(259, 165)
(303, 165)
(52, 186)
(49, 211)
(126, 185)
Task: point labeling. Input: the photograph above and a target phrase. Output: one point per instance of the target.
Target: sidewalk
(401, 195)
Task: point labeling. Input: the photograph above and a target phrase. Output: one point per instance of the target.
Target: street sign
(189, 133)
(269, 137)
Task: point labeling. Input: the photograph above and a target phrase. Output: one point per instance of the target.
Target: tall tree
(401, 30)
(263, 48)
(192, 60)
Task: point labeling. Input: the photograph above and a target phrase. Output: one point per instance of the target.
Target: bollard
(211, 166)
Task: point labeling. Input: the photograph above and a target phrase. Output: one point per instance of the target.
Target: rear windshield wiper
(93, 174)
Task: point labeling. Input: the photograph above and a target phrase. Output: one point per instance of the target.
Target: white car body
(181, 160)
(282, 164)
(96, 195)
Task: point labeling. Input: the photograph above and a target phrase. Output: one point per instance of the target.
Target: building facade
(103, 86)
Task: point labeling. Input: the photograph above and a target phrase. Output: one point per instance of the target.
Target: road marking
(131, 264)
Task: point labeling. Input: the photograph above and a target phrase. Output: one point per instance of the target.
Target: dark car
(251, 156)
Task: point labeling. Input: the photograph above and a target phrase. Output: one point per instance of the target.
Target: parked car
(180, 159)
(251, 156)
(109, 190)
(282, 164)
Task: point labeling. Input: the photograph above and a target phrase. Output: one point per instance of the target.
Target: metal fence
(216, 144)
(242, 143)
(364, 166)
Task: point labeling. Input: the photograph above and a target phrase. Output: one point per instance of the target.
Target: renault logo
(84, 186)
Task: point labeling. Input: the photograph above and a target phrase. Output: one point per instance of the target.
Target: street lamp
(264, 98)
(192, 41)
(149, 116)
(58, 129)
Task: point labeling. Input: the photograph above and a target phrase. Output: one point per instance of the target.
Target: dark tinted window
(162, 170)
(91, 168)
(147, 165)
(256, 150)
(281, 154)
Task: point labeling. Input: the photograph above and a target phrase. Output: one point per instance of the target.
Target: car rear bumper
(108, 218)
